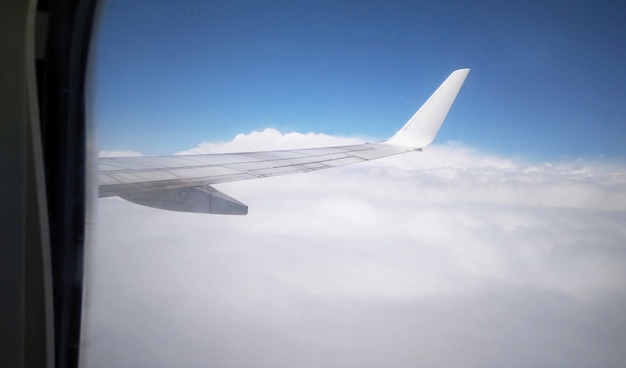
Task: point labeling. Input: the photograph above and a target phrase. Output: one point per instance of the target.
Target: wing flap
(203, 199)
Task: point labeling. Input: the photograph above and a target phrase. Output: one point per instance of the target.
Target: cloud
(440, 258)
(120, 153)
(270, 139)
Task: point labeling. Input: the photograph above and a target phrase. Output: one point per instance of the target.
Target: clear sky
(503, 244)
(547, 82)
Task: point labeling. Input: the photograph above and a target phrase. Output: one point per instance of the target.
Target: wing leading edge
(182, 182)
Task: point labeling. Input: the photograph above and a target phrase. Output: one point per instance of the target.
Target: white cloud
(270, 139)
(441, 258)
(120, 153)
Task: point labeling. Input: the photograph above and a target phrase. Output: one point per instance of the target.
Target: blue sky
(547, 81)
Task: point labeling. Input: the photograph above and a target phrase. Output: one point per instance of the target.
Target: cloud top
(270, 139)
(446, 257)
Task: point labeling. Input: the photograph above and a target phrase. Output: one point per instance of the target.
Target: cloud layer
(440, 258)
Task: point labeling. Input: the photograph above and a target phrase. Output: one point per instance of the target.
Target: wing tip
(422, 128)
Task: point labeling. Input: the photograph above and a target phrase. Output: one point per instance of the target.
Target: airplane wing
(183, 182)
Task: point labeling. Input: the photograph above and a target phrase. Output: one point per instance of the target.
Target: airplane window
(502, 243)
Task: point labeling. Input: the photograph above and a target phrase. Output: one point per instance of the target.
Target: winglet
(422, 128)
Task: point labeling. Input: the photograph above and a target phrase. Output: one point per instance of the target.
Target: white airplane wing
(183, 182)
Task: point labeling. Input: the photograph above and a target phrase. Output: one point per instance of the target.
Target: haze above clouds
(443, 258)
